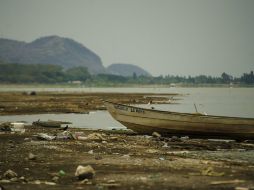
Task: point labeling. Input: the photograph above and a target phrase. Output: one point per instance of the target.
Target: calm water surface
(214, 101)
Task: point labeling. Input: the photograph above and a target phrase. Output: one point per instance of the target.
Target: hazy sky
(185, 37)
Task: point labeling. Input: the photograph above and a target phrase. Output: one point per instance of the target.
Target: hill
(51, 50)
(126, 70)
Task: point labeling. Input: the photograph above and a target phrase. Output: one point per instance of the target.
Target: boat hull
(146, 121)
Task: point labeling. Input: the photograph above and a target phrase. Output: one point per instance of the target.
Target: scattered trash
(49, 183)
(241, 188)
(44, 136)
(15, 179)
(210, 172)
(222, 140)
(33, 93)
(113, 138)
(97, 157)
(126, 156)
(55, 179)
(59, 136)
(61, 173)
(81, 138)
(152, 151)
(76, 135)
(111, 181)
(18, 127)
(227, 182)
(90, 152)
(181, 152)
(96, 137)
(64, 135)
(51, 124)
(84, 172)
(4, 181)
(6, 126)
(175, 139)
(36, 182)
(161, 158)
(85, 181)
(156, 134)
(185, 138)
(165, 145)
(9, 174)
(31, 156)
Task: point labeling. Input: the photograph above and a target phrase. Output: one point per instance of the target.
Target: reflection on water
(236, 102)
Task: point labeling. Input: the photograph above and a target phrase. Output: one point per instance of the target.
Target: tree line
(51, 74)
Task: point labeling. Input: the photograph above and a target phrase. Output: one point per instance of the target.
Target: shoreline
(15, 103)
(120, 159)
(123, 160)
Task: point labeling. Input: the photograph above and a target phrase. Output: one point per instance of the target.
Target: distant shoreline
(180, 85)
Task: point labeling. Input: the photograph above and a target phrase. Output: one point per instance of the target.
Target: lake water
(213, 101)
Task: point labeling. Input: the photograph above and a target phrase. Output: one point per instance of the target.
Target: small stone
(49, 183)
(5, 181)
(84, 181)
(10, 174)
(126, 156)
(111, 181)
(31, 156)
(152, 151)
(185, 138)
(104, 142)
(97, 157)
(84, 172)
(37, 182)
(156, 135)
(113, 138)
(14, 179)
(175, 139)
(90, 152)
(22, 178)
(55, 179)
(95, 137)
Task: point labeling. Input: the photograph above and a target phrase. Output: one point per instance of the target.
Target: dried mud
(122, 160)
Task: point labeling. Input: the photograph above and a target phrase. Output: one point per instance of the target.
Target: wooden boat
(147, 121)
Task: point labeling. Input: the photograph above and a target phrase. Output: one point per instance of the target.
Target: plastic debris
(156, 134)
(44, 136)
(61, 173)
(227, 182)
(18, 127)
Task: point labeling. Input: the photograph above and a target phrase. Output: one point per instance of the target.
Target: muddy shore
(67, 102)
(121, 159)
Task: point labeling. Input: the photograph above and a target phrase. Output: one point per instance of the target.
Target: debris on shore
(121, 160)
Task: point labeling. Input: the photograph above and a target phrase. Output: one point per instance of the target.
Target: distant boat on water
(147, 121)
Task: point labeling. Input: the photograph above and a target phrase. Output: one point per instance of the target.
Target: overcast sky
(176, 37)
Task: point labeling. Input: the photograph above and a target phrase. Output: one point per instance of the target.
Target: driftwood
(50, 123)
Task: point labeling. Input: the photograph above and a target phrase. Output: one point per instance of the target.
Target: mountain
(51, 50)
(126, 70)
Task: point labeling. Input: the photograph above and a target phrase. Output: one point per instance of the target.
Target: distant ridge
(51, 50)
(124, 69)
